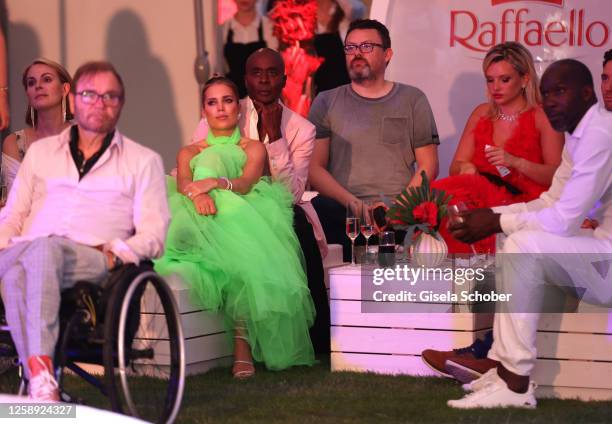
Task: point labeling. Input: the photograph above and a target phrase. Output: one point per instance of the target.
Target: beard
(363, 73)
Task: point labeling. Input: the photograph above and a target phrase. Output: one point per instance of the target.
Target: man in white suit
(545, 244)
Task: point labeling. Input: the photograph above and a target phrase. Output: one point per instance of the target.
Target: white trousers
(528, 263)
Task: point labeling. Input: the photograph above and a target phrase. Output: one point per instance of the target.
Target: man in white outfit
(545, 244)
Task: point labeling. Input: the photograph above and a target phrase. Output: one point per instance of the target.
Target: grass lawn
(315, 395)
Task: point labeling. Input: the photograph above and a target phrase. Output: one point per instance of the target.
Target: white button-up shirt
(581, 187)
(119, 204)
(252, 120)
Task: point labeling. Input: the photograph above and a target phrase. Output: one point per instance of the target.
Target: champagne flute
(453, 217)
(352, 225)
(367, 224)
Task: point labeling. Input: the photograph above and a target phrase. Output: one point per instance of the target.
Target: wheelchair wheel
(144, 353)
(10, 371)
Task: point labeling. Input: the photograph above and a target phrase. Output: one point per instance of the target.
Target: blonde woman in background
(46, 84)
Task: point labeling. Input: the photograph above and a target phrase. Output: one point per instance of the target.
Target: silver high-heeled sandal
(245, 373)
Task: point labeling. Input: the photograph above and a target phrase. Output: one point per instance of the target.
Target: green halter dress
(245, 260)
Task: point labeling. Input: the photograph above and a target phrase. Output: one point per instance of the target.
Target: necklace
(508, 117)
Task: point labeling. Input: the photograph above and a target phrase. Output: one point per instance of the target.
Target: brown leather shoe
(436, 359)
(467, 369)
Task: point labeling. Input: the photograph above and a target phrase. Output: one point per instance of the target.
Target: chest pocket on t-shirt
(394, 130)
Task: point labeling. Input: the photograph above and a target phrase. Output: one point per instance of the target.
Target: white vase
(428, 250)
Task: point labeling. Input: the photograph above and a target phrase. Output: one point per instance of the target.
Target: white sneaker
(486, 379)
(496, 394)
(43, 387)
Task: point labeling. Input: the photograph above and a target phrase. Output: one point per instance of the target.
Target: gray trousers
(33, 274)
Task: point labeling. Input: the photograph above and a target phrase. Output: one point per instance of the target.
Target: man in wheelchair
(84, 202)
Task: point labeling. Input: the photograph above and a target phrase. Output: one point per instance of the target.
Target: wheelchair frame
(118, 301)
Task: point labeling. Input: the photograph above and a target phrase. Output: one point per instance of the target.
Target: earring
(64, 109)
(33, 116)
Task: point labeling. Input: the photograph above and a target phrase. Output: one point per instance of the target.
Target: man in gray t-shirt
(370, 133)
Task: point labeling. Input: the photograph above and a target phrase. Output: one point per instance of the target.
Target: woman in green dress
(231, 239)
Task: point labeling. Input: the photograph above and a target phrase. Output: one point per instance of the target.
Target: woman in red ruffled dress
(508, 151)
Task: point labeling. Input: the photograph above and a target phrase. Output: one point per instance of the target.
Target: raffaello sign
(516, 21)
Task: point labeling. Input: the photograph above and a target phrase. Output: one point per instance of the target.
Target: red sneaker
(436, 359)
(42, 386)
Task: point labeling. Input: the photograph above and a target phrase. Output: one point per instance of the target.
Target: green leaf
(403, 201)
(413, 202)
(413, 192)
(425, 181)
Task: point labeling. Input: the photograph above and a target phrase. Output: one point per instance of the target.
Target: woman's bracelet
(228, 184)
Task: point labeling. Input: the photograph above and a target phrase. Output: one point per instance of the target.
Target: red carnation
(426, 212)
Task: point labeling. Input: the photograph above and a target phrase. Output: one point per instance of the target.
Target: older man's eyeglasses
(108, 99)
(363, 48)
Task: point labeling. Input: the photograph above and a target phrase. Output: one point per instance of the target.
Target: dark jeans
(333, 219)
(319, 332)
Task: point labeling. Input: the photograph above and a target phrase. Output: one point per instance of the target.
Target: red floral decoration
(294, 20)
(426, 212)
(294, 23)
(419, 208)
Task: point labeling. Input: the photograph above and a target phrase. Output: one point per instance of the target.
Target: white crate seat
(206, 344)
(574, 350)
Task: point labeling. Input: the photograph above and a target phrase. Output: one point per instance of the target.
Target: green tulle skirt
(246, 262)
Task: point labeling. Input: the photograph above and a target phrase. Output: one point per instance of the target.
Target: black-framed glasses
(108, 99)
(363, 48)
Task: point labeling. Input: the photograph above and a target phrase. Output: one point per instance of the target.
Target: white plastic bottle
(503, 171)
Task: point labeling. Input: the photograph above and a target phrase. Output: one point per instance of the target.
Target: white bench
(206, 344)
(390, 343)
(574, 350)
(575, 354)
